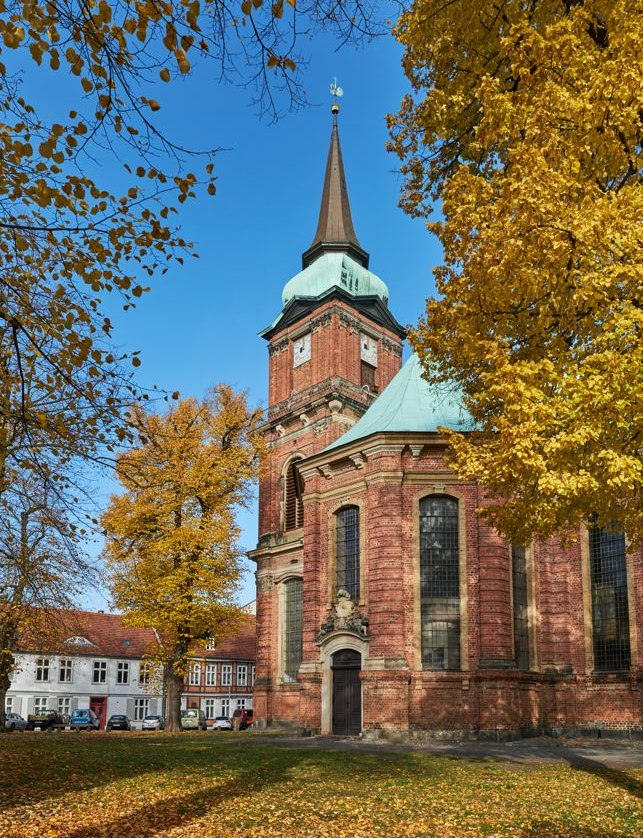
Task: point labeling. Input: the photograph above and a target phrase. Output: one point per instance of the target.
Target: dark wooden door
(347, 693)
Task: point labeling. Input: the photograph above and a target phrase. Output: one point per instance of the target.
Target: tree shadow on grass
(613, 776)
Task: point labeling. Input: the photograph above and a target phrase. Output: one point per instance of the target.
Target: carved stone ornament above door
(344, 616)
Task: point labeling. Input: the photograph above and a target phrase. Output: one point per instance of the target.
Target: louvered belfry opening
(294, 509)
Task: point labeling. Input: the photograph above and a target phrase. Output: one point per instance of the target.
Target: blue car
(84, 719)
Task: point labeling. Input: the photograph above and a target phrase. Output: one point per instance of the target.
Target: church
(386, 607)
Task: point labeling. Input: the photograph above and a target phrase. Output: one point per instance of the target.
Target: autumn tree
(42, 566)
(171, 538)
(68, 235)
(525, 123)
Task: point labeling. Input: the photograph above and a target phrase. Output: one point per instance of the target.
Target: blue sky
(198, 326)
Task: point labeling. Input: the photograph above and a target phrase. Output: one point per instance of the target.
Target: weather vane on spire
(335, 92)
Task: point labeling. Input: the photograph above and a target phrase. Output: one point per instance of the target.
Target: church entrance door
(347, 693)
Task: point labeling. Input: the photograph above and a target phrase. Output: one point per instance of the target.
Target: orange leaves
(540, 235)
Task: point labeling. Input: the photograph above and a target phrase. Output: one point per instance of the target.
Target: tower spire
(335, 231)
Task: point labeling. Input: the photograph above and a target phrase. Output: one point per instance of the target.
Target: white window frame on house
(226, 674)
(210, 674)
(65, 670)
(64, 705)
(242, 675)
(99, 672)
(144, 673)
(141, 708)
(209, 707)
(194, 675)
(8, 704)
(122, 672)
(225, 707)
(211, 645)
(241, 702)
(40, 704)
(253, 672)
(42, 669)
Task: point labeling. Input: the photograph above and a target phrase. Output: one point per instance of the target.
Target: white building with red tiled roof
(98, 663)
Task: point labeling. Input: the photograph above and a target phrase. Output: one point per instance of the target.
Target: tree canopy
(171, 538)
(525, 123)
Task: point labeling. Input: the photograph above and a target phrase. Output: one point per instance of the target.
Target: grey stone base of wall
(594, 732)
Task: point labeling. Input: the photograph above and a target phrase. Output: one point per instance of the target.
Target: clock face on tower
(301, 350)
(368, 349)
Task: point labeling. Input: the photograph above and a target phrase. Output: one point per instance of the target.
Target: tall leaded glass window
(440, 583)
(293, 507)
(292, 627)
(520, 607)
(611, 628)
(347, 551)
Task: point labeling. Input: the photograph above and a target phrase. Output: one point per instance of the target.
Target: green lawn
(135, 785)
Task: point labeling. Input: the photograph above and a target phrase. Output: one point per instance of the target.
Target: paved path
(581, 753)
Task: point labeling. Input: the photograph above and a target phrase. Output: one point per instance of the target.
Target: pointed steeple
(335, 230)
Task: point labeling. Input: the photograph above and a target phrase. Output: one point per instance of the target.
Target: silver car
(222, 723)
(14, 721)
(153, 722)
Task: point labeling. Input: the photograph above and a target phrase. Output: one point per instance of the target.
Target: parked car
(14, 721)
(46, 720)
(192, 719)
(84, 719)
(242, 718)
(153, 722)
(222, 723)
(118, 722)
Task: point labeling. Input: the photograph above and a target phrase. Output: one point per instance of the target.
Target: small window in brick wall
(367, 378)
(294, 509)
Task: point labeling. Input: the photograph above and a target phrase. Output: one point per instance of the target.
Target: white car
(222, 723)
(153, 722)
(14, 721)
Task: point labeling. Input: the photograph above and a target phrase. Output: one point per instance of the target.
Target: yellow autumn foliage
(525, 122)
(171, 537)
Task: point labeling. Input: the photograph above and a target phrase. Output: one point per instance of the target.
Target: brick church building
(385, 605)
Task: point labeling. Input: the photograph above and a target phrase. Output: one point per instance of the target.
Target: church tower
(333, 347)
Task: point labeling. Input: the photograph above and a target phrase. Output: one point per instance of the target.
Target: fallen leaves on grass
(133, 786)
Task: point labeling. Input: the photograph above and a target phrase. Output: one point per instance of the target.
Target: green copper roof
(332, 269)
(410, 405)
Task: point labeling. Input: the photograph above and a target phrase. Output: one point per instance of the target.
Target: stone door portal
(347, 693)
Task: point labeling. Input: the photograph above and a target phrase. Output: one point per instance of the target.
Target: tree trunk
(173, 692)
(4, 686)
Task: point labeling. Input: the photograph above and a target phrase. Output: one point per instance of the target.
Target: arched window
(520, 601)
(347, 551)
(610, 621)
(292, 625)
(439, 583)
(293, 507)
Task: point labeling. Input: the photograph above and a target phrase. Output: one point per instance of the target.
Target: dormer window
(78, 640)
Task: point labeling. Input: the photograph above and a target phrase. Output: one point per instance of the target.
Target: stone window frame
(43, 666)
(450, 492)
(122, 672)
(294, 572)
(586, 581)
(65, 670)
(332, 549)
(283, 510)
(532, 610)
(141, 708)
